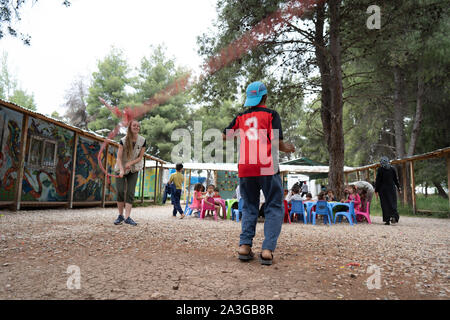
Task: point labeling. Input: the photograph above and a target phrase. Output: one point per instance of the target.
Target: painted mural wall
(88, 184)
(10, 135)
(227, 182)
(149, 184)
(111, 191)
(48, 162)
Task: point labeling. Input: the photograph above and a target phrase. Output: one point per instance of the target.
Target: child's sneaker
(119, 220)
(130, 221)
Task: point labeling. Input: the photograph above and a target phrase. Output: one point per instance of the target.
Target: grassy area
(432, 203)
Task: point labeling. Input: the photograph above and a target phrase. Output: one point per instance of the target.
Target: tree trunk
(419, 115)
(440, 190)
(399, 126)
(336, 141)
(399, 110)
(324, 68)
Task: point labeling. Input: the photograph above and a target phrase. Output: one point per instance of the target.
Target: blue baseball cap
(255, 92)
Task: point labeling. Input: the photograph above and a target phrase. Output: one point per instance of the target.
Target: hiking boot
(119, 220)
(130, 222)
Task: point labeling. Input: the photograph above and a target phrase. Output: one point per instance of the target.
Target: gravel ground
(168, 258)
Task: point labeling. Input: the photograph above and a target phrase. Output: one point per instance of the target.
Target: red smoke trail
(247, 42)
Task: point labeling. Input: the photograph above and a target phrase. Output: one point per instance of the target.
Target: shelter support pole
(346, 178)
(156, 180)
(448, 177)
(358, 176)
(413, 186)
(143, 181)
(105, 180)
(184, 186)
(374, 175)
(160, 176)
(189, 187)
(404, 183)
(20, 169)
(74, 166)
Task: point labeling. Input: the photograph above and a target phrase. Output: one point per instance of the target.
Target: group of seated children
(351, 193)
(211, 196)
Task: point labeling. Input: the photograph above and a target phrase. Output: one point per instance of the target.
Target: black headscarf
(385, 163)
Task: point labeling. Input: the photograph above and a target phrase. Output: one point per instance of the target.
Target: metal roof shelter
(313, 169)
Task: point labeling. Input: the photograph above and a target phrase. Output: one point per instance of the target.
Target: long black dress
(385, 186)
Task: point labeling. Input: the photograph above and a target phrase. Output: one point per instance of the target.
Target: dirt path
(167, 258)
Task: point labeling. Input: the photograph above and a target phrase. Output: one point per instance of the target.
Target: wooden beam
(448, 178)
(156, 180)
(433, 154)
(346, 178)
(105, 177)
(184, 185)
(189, 187)
(358, 176)
(20, 169)
(143, 182)
(404, 186)
(160, 174)
(74, 166)
(413, 186)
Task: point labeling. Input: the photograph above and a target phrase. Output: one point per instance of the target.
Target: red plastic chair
(208, 207)
(286, 212)
(365, 214)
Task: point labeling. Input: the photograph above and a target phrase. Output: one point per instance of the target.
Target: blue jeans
(273, 210)
(176, 202)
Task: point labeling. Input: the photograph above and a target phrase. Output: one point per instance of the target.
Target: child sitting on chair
(219, 201)
(209, 197)
(330, 196)
(308, 197)
(363, 206)
(294, 194)
(196, 205)
(354, 196)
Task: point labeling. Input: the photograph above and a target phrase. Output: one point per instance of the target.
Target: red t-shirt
(258, 127)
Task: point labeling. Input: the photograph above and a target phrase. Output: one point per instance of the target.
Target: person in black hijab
(386, 181)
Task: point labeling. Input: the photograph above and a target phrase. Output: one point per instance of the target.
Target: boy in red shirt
(261, 137)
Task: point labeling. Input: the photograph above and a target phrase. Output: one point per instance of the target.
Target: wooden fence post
(143, 181)
(74, 166)
(156, 180)
(189, 188)
(20, 171)
(448, 178)
(404, 186)
(413, 186)
(105, 179)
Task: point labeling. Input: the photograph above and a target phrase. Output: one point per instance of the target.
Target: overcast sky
(68, 42)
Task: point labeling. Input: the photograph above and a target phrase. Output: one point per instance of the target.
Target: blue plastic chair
(187, 209)
(350, 214)
(298, 208)
(323, 209)
(235, 212)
